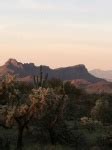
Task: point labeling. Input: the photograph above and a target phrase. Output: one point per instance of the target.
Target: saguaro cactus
(40, 80)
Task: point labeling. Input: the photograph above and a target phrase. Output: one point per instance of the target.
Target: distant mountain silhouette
(102, 74)
(24, 71)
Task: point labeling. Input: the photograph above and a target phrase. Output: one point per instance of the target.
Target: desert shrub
(102, 111)
(90, 124)
(105, 141)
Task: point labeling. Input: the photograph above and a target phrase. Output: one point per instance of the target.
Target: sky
(57, 32)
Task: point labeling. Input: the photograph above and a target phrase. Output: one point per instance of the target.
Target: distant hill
(81, 83)
(99, 87)
(25, 71)
(102, 74)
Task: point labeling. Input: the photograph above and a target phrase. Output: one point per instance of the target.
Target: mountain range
(26, 70)
(102, 74)
(77, 75)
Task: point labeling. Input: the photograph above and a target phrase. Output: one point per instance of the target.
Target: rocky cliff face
(75, 72)
(23, 70)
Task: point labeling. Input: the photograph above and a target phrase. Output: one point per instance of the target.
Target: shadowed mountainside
(24, 71)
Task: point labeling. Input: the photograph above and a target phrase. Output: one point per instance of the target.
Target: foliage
(52, 108)
(55, 83)
(70, 89)
(90, 124)
(65, 114)
(100, 111)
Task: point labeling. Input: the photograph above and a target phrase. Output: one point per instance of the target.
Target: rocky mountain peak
(13, 63)
(81, 67)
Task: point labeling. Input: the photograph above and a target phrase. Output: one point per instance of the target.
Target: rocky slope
(26, 70)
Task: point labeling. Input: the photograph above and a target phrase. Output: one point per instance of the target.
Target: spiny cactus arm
(41, 76)
(59, 110)
(37, 82)
(40, 81)
(34, 80)
(45, 80)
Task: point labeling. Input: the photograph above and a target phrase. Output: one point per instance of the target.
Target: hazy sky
(57, 32)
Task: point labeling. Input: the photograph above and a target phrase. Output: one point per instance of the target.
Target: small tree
(100, 110)
(19, 109)
(55, 83)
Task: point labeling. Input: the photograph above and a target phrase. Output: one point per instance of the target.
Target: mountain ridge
(105, 74)
(23, 70)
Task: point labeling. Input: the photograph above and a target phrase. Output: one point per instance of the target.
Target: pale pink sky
(57, 33)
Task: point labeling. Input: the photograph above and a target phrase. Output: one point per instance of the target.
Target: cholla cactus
(10, 89)
(46, 99)
(50, 108)
(42, 104)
